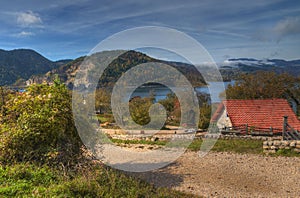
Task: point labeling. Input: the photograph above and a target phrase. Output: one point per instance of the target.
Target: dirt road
(230, 175)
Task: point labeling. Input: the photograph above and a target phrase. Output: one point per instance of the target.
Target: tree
(172, 106)
(205, 115)
(139, 110)
(39, 126)
(264, 85)
(102, 100)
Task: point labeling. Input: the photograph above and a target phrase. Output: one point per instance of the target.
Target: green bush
(38, 126)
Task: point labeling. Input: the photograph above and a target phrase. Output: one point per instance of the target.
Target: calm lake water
(213, 89)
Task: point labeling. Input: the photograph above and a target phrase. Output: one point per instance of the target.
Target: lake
(213, 89)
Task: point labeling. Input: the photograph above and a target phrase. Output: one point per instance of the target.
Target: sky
(63, 29)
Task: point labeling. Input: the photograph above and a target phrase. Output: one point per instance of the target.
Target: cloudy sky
(61, 29)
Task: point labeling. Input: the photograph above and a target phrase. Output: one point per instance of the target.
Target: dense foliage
(205, 115)
(38, 126)
(172, 106)
(139, 110)
(264, 85)
(102, 101)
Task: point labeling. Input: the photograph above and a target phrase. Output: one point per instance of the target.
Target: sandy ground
(230, 175)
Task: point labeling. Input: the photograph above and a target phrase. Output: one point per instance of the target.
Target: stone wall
(245, 137)
(275, 145)
(167, 137)
(153, 137)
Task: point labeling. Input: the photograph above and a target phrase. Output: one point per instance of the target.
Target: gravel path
(230, 175)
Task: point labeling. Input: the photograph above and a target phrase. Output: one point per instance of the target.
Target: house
(256, 114)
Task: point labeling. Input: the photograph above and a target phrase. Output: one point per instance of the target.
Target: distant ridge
(21, 64)
(232, 68)
(113, 72)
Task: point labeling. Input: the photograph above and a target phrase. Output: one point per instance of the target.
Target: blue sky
(61, 29)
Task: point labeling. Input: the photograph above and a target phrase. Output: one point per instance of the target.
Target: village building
(259, 114)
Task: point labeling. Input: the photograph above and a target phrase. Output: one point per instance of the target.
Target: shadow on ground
(161, 177)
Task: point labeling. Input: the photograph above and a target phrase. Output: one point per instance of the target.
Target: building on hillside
(260, 115)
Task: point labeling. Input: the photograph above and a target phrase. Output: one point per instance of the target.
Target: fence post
(285, 118)
(271, 131)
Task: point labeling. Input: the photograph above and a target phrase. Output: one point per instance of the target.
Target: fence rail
(289, 133)
(244, 129)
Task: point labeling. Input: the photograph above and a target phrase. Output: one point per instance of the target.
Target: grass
(235, 145)
(242, 146)
(286, 153)
(105, 118)
(27, 180)
(119, 141)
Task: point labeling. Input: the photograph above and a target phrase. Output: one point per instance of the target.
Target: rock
(293, 144)
(286, 143)
(272, 151)
(154, 139)
(276, 143)
(273, 148)
(297, 150)
(265, 147)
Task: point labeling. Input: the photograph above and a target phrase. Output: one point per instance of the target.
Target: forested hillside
(115, 69)
(22, 64)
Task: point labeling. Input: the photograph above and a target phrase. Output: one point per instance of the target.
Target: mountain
(65, 72)
(22, 64)
(19, 65)
(232, 68)
(114, 71)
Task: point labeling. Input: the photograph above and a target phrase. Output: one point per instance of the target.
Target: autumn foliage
(38, 126)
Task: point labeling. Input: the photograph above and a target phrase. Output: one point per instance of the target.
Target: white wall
(223, 120)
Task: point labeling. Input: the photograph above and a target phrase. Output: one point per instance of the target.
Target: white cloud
(29, 19)
(287, 27)
(284, 28)
(24, 34)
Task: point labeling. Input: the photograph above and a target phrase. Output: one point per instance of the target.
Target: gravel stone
(222, 174)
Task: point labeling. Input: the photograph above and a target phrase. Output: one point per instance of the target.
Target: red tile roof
(263, 113)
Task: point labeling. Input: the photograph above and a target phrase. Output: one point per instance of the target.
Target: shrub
(38, 126)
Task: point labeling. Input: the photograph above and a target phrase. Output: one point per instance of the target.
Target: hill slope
(115, 69)
(22, 64)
